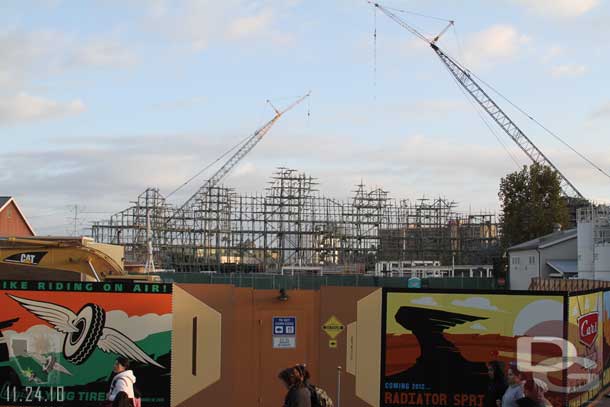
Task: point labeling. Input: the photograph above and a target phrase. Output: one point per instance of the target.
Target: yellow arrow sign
(333, 327)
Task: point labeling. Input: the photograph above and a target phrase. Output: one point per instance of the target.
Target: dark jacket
(298, 396)
(494, 392)
(527, 402)
(122, 400)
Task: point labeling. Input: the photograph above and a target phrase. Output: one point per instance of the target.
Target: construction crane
(465, 79)
(246, 147)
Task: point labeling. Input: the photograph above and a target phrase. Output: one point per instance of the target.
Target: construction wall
(380, 343)
(379, 346)
(246, 372)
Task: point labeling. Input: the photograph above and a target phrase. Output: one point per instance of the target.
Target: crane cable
(209, 165)
(422, 37)
(477, 111)
(417, 14)
(526, 114)
(375, 53)
(475, 107)
(491, 130)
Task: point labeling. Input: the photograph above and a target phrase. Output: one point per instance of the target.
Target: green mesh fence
(314, 282)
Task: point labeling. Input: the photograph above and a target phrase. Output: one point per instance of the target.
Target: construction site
(291, 227)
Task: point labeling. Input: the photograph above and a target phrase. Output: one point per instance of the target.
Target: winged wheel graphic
(84, 331)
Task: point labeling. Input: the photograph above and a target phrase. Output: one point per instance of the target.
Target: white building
(550, 256)
(429, 269)
(594, 242)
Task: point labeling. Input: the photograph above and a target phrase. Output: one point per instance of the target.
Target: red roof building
(12, 220)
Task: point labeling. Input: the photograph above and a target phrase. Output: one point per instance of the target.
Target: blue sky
(101, 99)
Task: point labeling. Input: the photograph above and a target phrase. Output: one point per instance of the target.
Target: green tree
(532, 203)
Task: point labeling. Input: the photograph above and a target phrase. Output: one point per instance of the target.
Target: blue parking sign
(284, 326)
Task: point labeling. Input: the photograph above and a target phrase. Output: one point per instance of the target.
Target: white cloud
(602, 112)
(478, 327)
(553, 52)
(559, 8)
(244, 169)
(199, 24)
(247, 26)
(27, 108)
(103, 53)
(562, 71)
(181, 103)
(76, 170)
(497, 43)
(23, 52)
(39, 54)
(424, 301)
(476, 302)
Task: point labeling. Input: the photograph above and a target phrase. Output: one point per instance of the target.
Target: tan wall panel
(222, 299)
(368, 359)
(340, 302)
(196, 346)
(351, 350)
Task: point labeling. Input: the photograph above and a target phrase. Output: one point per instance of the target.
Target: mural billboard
(436, 347)
(59, 340)
(606, 336)
(585, 332)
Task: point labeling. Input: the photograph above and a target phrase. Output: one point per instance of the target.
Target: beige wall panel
(196, 346)
(368, 357)
(351, 348)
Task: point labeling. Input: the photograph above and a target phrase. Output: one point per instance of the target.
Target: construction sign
(333, 327)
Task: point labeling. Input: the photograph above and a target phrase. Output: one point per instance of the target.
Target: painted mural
(606, 336)
(438, 346)
(59, 341)
(585, 332)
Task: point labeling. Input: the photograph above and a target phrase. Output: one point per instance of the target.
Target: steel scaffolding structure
(291, 226)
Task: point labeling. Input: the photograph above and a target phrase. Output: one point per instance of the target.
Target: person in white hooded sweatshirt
(121, 392)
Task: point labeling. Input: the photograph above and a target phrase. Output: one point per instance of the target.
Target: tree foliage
(531, 203)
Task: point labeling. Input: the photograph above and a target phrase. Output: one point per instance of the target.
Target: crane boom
(465, 79)
(503, 120)
(236, 157)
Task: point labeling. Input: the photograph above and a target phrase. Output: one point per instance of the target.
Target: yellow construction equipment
(62, 259)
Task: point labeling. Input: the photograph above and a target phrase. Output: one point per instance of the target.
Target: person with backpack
(122, 392)
(298, 394)
(319, 398)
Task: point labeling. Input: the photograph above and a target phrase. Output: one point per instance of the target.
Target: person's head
(290, 377)
(494, 371)
(303, 372)
(121, 364)
(534, 389)
(513, 375)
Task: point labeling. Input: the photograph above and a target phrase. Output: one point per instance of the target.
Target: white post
(338, 386)
(452, 265)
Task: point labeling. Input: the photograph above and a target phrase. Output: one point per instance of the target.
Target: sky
(100, 100)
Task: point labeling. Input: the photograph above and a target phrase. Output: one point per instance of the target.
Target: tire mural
(79, 345)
